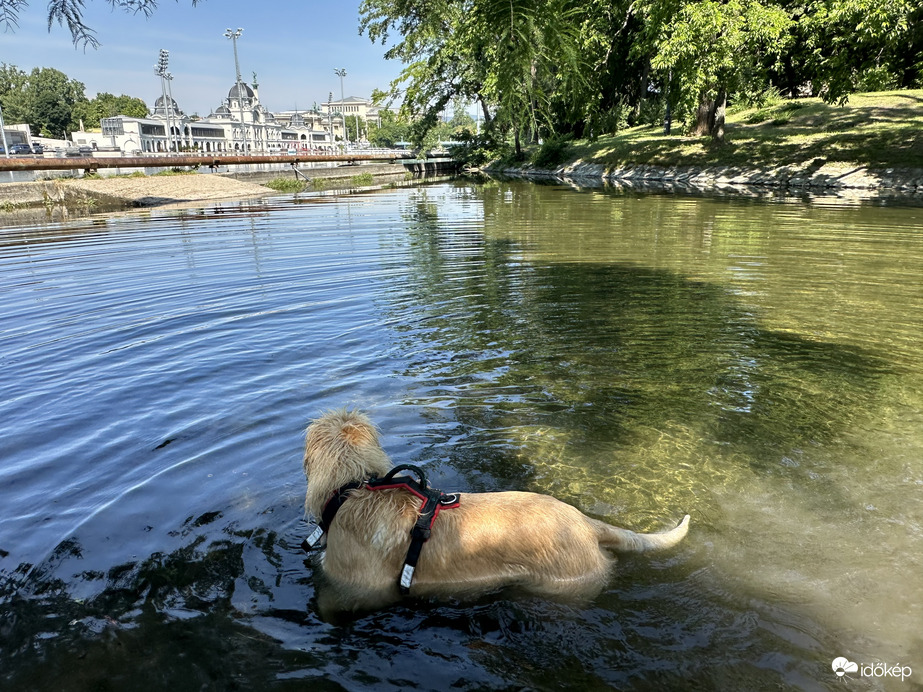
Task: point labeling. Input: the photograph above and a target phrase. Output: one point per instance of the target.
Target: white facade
(241, 124)
(354, 107)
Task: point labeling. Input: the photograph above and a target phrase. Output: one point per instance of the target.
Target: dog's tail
(625, 541)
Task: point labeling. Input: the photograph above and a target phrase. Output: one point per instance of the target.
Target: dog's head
(340, 447)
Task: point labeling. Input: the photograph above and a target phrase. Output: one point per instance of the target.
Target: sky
(293, 47)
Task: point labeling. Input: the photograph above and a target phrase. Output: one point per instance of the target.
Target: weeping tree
(513, 57)
(69, 14)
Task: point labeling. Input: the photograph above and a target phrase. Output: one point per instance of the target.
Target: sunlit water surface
(758, 364)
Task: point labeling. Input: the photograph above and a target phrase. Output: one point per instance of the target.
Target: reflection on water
(755, 363)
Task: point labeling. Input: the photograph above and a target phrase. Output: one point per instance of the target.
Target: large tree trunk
(702, 115)
(716, 119)
(642, 93)
(710, 115)
(485, 110)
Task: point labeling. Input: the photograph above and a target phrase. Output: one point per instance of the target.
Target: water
(756, 363)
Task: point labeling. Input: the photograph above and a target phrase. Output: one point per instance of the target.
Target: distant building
(355, 107)
(16, 134)
(240, 124)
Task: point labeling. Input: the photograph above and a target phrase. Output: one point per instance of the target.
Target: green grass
(287, 184)
(877, 130)
(361, 180)
(175, 171)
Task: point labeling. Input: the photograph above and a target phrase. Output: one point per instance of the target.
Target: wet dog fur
(490, 541)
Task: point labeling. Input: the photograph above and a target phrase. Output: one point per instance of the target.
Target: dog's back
(491, 540)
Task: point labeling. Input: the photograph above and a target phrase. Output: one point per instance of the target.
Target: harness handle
(407, 467)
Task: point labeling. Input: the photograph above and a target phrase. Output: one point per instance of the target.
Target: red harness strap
(433, 502)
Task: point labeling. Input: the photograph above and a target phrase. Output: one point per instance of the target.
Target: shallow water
(756, 363)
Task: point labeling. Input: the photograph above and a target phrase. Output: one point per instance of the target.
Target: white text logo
(843, 667)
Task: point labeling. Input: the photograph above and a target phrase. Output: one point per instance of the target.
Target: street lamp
(6, 149)
(342, 73)
(330, 120)
(160, 69)
(234, 35)
(174, 127)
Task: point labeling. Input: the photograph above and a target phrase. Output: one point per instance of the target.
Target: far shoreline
(837, 180)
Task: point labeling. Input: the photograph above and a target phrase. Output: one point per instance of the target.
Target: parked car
(37, 148)
(21, 149)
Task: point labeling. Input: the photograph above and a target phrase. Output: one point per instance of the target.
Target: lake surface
(755, 363)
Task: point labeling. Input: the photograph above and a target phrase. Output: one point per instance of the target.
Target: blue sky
(292, 46)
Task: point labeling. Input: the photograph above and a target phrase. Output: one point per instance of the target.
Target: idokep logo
(843, 667)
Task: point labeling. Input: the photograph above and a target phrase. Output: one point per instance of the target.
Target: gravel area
(156, 190)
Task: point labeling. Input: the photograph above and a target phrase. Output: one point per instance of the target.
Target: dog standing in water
(479, 543)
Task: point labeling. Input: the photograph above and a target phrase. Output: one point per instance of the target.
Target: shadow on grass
(873, 131)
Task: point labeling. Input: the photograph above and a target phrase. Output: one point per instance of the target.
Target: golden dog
(490, 541)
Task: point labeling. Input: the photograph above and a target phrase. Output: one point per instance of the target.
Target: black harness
(433, 501)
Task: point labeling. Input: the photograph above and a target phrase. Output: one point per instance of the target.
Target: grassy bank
(875, 130)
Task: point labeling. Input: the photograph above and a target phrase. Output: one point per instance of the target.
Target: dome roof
(159, 106)
(247, 91)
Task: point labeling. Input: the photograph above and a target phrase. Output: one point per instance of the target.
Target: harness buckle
(406, 579)
(314, 540)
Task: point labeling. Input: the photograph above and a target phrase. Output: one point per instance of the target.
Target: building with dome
(239, 125)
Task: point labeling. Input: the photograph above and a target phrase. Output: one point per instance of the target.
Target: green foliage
(391, 130)
(53, 105)
(553, 152)
(106, 105)
(551, 67)
(361, 180)
(44, 99)
(69, 13)
(541, 68)
(175, 171)
(287, 184)
(874, 130)
(477, 150)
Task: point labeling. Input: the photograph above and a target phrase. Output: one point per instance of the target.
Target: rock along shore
(832, 178)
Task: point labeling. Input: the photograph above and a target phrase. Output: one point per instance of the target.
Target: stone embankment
(822, 177)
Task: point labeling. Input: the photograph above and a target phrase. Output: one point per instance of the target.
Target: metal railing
(215, 160)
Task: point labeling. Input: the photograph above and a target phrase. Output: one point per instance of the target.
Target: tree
(106, 105)
(712, 48)
(851, 42)
(390, 131)
(69, 13)
(13, 83)
(355, 126)
(513, 57)
(44, 99)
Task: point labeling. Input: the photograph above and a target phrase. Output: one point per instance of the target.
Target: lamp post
(6, 149)
(234, 35)
(342, 73)
(160, 69)
(174, 127)
(330, 120)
